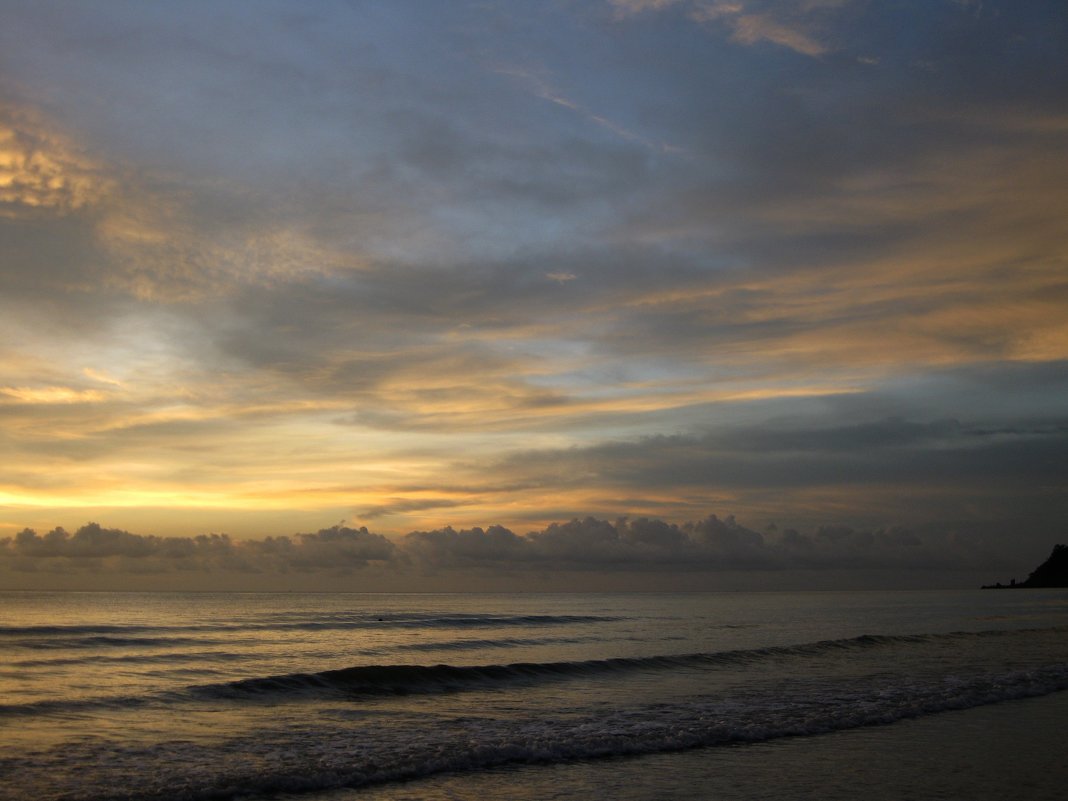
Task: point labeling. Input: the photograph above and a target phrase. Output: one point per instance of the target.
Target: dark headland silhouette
(1051, 573)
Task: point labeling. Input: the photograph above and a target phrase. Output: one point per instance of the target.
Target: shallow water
(344, 696)
(1010, 750)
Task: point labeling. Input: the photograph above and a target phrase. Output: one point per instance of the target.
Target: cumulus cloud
(446, 547)
(638, 545)
(337, 550)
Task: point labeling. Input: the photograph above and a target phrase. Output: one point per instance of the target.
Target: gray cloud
(712, 543)
(589, 544)
(892, 451)
(92, 547)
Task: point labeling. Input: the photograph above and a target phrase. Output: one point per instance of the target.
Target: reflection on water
(133, 696)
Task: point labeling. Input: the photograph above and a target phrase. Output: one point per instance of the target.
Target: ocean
(346, 697)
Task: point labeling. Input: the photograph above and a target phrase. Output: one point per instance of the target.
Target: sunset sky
(281, 271)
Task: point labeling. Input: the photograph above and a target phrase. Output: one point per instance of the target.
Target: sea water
(639, 696)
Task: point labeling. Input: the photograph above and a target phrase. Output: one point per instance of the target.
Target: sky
(643, 294)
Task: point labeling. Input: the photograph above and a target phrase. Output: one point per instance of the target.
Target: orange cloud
(41, 171)
(784, 27)
(753, 28)
(51, 395)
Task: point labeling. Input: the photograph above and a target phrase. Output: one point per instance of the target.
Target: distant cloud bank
(590, 544)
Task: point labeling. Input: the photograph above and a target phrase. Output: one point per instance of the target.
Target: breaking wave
(377, 680)
(415, 753)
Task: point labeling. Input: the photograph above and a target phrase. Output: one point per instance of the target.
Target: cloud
(579, 545)
(627, 7)
(41, 171)
(752, 28)
(50, 395)
(448, 548)
(140, 231)
(402, 505)
(813, 453)
(92, 547)
(772, 26)
(336, 548)
(90, 541)
(709, 544)
(785, 24)
(561, 277)
(160, 250)
(543, 90)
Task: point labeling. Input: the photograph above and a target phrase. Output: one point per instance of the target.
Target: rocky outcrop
(1051, 573)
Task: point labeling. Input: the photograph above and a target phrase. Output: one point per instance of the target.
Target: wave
(138, 659)
(675, 728)
(106, 641)
(320, 623)
(379, 680)
(405, 753)
(67, 706)
(21, 631)
(483, 644)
